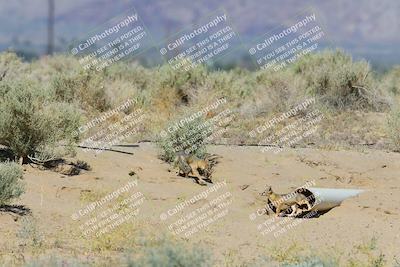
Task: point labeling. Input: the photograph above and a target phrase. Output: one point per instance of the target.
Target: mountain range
(366, 28)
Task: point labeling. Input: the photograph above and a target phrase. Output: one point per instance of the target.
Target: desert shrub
(367, 254)
(313, 262)
(46, 68)
(11, 66)
(338, 82)
(57, 64)
(185, 135)
(130, 81)
(131, 72)
(394, 127)
(391, 81)
(276, 91)
(29, 233)
(166, 253)
(10, 184)
(55, 261)
(31, 122)
(396, 262)
(235, 84)
(310, 261)
(86, 88)
(183, 83)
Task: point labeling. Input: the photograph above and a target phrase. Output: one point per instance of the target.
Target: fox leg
(309, 207)
(202, 182)
(305, 202)
(186, 174)
(196, 173)
(278, 210)
(295, 210)
(299, 211)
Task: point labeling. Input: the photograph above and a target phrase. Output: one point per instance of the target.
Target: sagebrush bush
(332, 77)
(46, 68)
(133, 73)
(277, 91)
(11, 66)
(55, 261)
(394, 127)
(183, 83)
(31, 121)
(189, 137)
(391, 81)
(234, 84)
(311, 261)
(166, 253)
(11, 186)
(86, 88)
(338, 82)
(29, 233)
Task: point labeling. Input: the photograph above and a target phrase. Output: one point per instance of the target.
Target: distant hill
(367, 29)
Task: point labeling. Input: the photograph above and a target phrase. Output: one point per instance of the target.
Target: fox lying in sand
(190, 164)
(283, 202)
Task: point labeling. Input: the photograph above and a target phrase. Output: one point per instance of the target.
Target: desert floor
(342, 232)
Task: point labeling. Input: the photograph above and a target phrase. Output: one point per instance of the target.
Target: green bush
(171, 254)
(10, 184)
(235, 84)
(394, 127)
(131, 72)
(189, 137)
(338, 82)
(298, 261)
(85, 88)
(391, 81)
(29, 233)
(11, 66)
(313, 262)
(55, 262)
(32, 122)
(185, 83)
(277, 91)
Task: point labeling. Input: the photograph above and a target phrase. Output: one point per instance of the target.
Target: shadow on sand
(15, 209)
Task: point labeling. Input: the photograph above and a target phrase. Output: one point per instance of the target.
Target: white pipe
(328, 198)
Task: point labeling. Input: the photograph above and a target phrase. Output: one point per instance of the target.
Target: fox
(282, 202)
(190, 164)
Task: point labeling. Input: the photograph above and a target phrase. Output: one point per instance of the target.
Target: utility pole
(50, 28)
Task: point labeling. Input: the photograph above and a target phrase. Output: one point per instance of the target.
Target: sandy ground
(53, 197)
